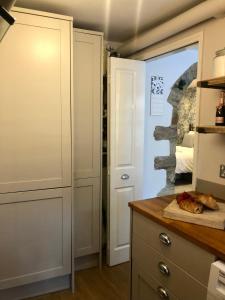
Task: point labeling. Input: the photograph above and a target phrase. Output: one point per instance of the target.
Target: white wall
(171, 67)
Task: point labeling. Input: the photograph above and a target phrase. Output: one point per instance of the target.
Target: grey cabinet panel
(87, 119)
(160, 256)
(181, 251)
(182, 284)
(35, 127)
(86, 216)
(87, 104)
(35, 236)
(144, 287)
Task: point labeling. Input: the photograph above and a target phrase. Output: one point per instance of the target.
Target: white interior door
(126, 101)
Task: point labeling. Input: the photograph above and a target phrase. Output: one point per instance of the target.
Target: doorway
(164, 84)
(170, 121)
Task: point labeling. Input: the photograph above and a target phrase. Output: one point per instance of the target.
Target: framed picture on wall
(157, 95)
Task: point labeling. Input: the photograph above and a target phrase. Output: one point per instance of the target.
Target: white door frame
(169, 47)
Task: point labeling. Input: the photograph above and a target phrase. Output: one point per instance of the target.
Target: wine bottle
(220, 111)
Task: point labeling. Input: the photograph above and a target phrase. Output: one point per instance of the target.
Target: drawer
(174, 278)
(187, 255)
(144, 287)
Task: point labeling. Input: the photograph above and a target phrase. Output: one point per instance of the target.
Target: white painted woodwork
(35, 129)
(126, 150)
(86, 216)
(87, 103)
(35, 236)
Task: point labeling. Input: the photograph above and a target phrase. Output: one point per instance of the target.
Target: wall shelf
(214, 83)
(211, 129)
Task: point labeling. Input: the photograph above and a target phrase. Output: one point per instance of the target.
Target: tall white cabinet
(88, 52)
(35, 149)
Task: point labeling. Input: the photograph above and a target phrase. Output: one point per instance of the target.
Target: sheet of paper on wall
(157, 95)
(157, 106)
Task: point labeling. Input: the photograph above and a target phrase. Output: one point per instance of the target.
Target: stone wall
(168, 163)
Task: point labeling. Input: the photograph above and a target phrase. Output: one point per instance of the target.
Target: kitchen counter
(212, 240)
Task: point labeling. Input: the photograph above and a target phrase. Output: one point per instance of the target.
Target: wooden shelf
(211, 129)
(214, 83)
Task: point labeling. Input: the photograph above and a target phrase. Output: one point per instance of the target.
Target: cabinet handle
(125, 177)
(162, 293)
(165, 239)
(163, 268)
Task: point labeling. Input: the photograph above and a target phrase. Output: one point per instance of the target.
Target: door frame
(197, 38)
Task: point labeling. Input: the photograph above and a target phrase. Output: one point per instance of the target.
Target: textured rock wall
(168, 163)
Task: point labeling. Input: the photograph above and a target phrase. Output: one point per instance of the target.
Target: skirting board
(86, 262)
(36, 289)
(217, 190)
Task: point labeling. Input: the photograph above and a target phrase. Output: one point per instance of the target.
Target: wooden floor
(111, 283)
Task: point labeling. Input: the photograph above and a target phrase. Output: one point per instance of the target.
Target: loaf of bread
(191, 206)
(207, 200)
(188, 203)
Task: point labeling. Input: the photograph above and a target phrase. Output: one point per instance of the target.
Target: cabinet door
(35, 128)
(86, 216)
(145, 287)
(87, 103)
(35, 236)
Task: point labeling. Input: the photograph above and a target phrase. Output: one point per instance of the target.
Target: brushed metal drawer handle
(165, 239)
(162, 293)
(125, 177)
(163, 268)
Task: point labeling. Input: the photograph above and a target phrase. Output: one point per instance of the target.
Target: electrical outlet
(222, 171)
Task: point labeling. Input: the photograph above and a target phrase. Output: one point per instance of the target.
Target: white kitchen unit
(86, 202)
(35, 231)
(35, 104)
(87, 134)
(35, 151)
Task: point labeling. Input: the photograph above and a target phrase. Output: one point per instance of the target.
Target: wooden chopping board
(209, 218)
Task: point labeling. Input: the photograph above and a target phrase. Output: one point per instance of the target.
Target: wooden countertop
(212, 240)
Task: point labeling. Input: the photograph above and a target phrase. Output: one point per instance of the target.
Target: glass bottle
(220, 111)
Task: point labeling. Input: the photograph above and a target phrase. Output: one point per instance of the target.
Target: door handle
(163, 293)
(125, 177)
(165, 239)
(163, 269)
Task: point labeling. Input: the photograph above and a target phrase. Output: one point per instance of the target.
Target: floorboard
(110, 283)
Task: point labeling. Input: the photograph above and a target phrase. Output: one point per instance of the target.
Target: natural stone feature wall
(168, 163)
(187, 113)
(165, 133)
(165, 162)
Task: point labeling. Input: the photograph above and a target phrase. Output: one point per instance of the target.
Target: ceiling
(119, 19)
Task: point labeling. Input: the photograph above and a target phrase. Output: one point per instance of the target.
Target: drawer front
(180, 251)
(144, 287)
(166, 272)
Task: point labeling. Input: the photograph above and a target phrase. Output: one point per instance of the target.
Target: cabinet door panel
(35, 236)
(87, 103)
(144, 287)
(35, 105)
(86, 216)
(180, 282)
